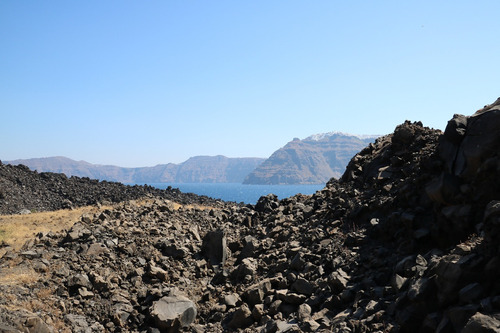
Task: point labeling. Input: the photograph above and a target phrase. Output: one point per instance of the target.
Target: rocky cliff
(313, 160)
(198, 169)
(405, 241)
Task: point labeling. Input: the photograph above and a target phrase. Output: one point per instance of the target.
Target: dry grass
(144, 202)
(18, 276)
(43, 303)
(15, 230)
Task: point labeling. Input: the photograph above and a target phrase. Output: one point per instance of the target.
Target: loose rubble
(23, 191)
(405, 241)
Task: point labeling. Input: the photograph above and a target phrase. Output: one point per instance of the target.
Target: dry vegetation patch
(15, 230)
(18, 276)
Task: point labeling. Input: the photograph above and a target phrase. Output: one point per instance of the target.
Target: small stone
(35, 324)
(274, 307)
(398, 282)
(159, 273)
(241, 318)
(85, 293)
(297, 263)
(79, 280)
(338, 279)
(30, 254)
(304, 312)
(96, 249)
(470, 293)
(480, 323)
(258, 312)
(231, 300)
(302, 286)
(40, 267)
(310, 326)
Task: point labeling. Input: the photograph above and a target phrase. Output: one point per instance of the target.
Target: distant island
(198, 169)
(314, 160)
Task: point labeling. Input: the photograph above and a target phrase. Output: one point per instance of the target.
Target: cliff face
(199, 169)
(313, 160)
(216, 169)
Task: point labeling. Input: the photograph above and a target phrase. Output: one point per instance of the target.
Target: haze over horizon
(133, 84)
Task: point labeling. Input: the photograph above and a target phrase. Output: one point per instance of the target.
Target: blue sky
(135, 83)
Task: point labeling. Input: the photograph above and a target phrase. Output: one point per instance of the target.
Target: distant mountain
(199, 169)
(313, 160)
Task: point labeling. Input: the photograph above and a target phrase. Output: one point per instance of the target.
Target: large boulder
(172, 312)
(214, 248)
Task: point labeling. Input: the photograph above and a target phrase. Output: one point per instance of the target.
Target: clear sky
(140, 83)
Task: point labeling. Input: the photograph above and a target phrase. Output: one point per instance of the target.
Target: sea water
(237, 192)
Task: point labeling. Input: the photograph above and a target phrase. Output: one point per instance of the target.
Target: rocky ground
(405, 241)
(22, 189)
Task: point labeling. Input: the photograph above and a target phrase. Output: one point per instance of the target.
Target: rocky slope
(313, 160)
(198, 169)
(23, 189)
(405, 241)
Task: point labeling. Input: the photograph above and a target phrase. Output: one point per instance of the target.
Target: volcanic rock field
(406, 241)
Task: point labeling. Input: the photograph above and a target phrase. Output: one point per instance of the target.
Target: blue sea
(236, 192)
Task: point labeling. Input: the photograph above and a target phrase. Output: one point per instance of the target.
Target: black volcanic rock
(313, 160)
(21, 189)
(198, 169)
(375, 251)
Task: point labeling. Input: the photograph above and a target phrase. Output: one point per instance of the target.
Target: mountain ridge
(197, 169)
(313, 160)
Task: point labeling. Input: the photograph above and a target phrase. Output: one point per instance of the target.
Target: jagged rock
(338, 279)
(96, 249)
(398, 282)
(372, 252)
(80, 280)
(158, 273)
(33, 324)
(297, 262)
(46, 191)
(421, 289)
(214, 247)
(246, 270)
(31, 254)
(173, 312)
(78, 231)
(120, 314)
(470, 293)
(459, 315)
(303, 286)
(78, 323)
(310, 326)
(480, 323)
(231, 300)
(241, 318)
(175, 252)
(250, 245)
(290, 297)
(255, 293)
(258, 312)
(304, 312)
